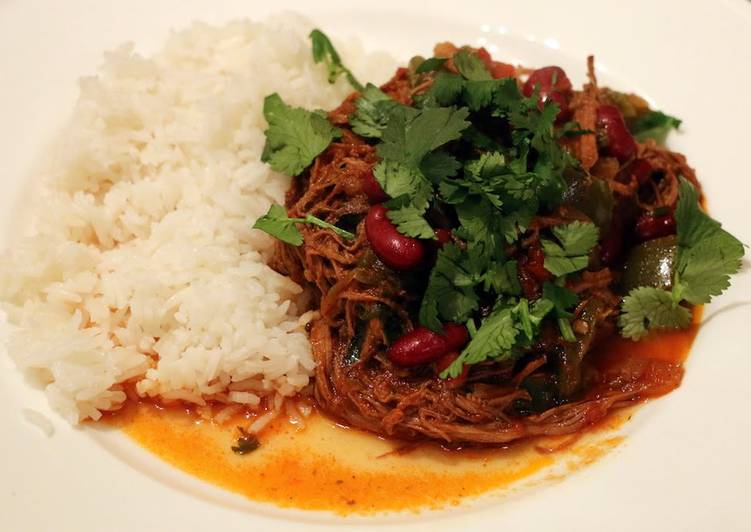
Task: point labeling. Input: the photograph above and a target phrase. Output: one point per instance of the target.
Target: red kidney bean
(554, 85)
(640, 171)
(611, 245)
(442, 237)
(610, 248)
(372, 188)
(395, 249)
(456, 336)
(649, 226)
(422, 345)
(619, 141)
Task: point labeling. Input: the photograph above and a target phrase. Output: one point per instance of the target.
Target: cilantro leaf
(407, 142)
(508, 99)
(654, 125)
(647, 308)
(445, 90)
(572, 129)
(294, 137)
(561, 297)
(471, 66)
(480, 228)
(479, 93)
(515, 223)
(371, 116)
(533, 137)
(449, 294)
(324, 51)
(494, 339)
(707, 254)
(438, 166)
(411, 135)
(488, 165)
(564, 325)
(529, 319)
(434, 63)
(577, 238)
(502, 278)
(400, 179)
(570, 254)
(540, 309)
(703, 271)
(276, 223)
(510, 325)
(481, 140)
(410, 192)
(558, 264)
(693, 224)
(409, 220)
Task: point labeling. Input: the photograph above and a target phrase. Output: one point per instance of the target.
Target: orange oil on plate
(324, 466)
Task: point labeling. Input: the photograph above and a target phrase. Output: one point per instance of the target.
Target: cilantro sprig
(646, 308)
(654, 125)
(495, 194)
(570, 253)
(372, 114)
(470, 66)
(707, 257)
(410, 136)
(324, 51)
(430, 64)
(279, 225)
(562, 299)
(512, 324)
(295, 137)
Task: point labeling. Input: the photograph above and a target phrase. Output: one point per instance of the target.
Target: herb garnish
(562, 299)
(324, 51)
(570, 253)
(372, 115)
(477, 147)
(246, 443)
(494, 194)
(279, 225)
(471, 66)
(410, 136)
(433, 63)
(654, 125)
(707, 256)
(295, 137)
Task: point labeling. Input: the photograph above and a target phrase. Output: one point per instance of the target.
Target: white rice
(142, 265)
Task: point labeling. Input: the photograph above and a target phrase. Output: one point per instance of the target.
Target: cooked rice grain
(142, 265)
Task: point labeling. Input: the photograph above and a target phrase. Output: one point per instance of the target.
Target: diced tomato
(496, 68)
(502, 70)
(536, 265)
(485, 56)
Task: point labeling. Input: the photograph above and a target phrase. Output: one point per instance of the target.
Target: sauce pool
(325, 466)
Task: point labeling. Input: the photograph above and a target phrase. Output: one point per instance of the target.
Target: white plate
(685, 465)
